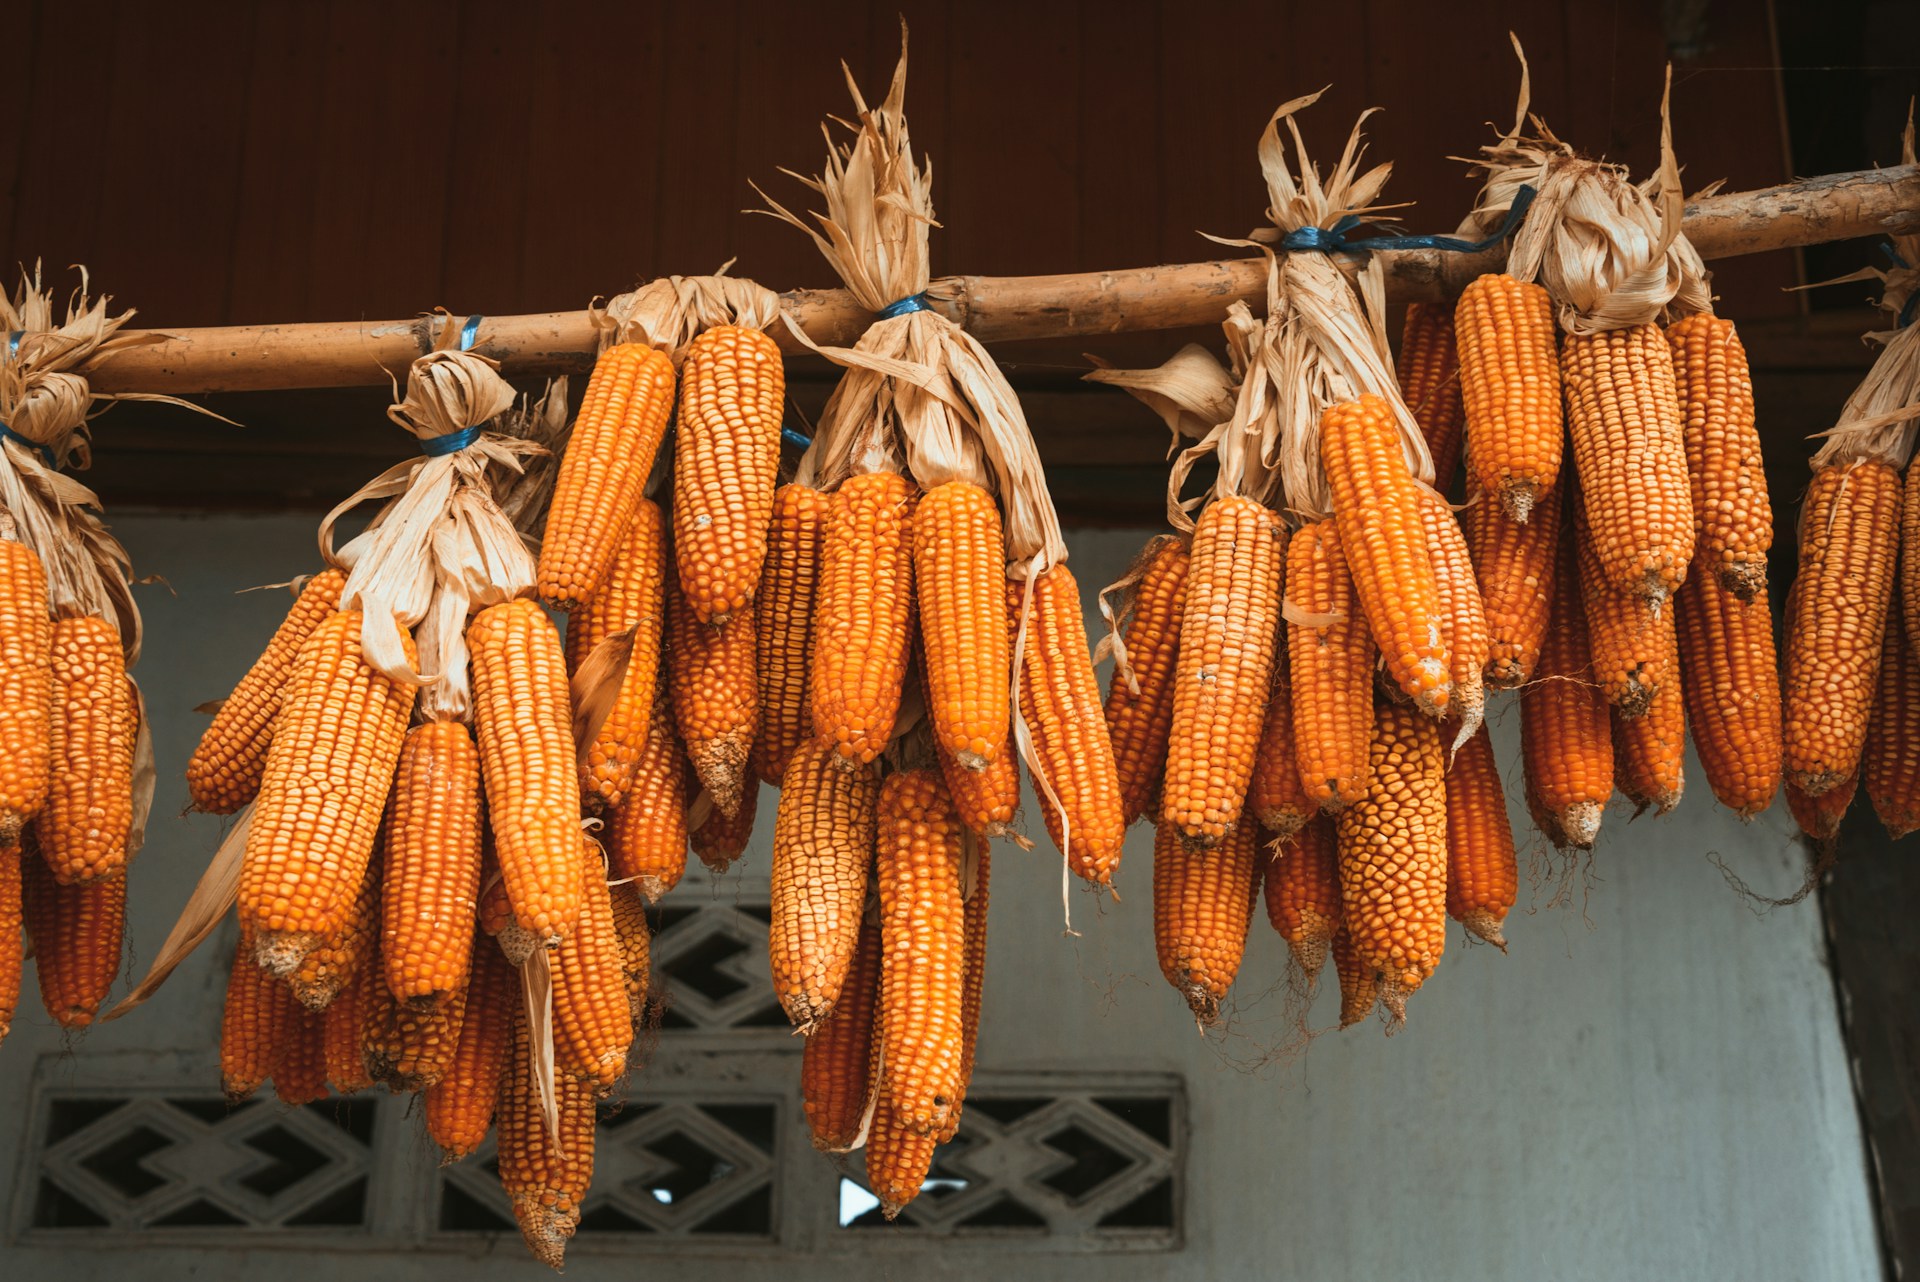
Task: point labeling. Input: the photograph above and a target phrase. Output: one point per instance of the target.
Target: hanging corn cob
(627, 616)
(77, 778)
(1850, 535)
(1890, 767)
(1429, 368)
(783, 626)
(1303, 894)
(1331, 656)
(1483, 873)
(1564, 734)
(823, 843)
(1202, 905)
(1139, 707)
(1731, 679)
(1514, 564)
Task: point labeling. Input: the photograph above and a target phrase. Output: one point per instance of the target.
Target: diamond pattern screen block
(1086, 1166)
(712, 959)
(147, 1162)
(677, 1168)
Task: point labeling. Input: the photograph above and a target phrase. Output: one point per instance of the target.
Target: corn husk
(1882, 418)
(669, 313)
(1608, 251)
(1324, 340)
(447, 541)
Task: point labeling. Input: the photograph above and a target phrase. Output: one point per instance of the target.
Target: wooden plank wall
(232, 162)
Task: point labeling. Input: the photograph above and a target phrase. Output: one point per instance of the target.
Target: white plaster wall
(1651, 1084)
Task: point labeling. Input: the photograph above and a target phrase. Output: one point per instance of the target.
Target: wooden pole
(993, 308)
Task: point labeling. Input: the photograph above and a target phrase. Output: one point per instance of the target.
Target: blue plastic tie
(795, 439)
(911, 303)
(8, 434)
(13, 343)
(470, 331)
(1333, 240)
(451, 443)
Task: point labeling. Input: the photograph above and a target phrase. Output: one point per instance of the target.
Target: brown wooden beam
(993, 308)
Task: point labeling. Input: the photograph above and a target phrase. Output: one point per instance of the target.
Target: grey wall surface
(1651, 1084)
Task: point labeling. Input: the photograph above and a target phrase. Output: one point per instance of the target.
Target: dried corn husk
(669, 313)
(1608, 251)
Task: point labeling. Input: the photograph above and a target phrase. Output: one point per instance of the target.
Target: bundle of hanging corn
(1853, 691)
(1585, 574)
(685, 670)
(1277, 737)
(401, 752)
(76, 761)
(941, 605)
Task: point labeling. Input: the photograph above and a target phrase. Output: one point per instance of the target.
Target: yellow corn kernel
(1510, 387)
(959, 574)
(432, 874)
(592, 1025)
(1330, 670)
(863, 614)
(1483, 871)
(1202, 905)
(923, 934)
(823, 839)
(78, 934)
(1513, 562)
(1724, 465)
(726, 462)
(715, 696)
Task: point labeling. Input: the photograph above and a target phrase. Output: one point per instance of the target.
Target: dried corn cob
(923, 931)
(1731, 680)
(545, 1176)
(1359, 984)
(1650, 752)
(1565, 738)
(592, 1024)
(409, 1048)
(1429, 369)
(635, 937)
(1060, 704)
(1138, 720)
(1510, 386)
(26, 689)
(460, 1106)
(1375, 506)
(715, 696)
(1330, 670)
(1303, 894)
(1483, 872)
(1835, 628)
(299, 1061)
(1890, 765)
(253, 1022)
(1202, 906)
(863, 614)
(12, 946)
(1393, 854)
(78, 934)
(960, 580)
(633, 601)
(723, 837)
(1224, 667)
(523, 714)
(988, 801)
(224, 772)
(837, 1070)
(1629, 447)
(1629, 638)
(83, 829)
(1819, 817)
(1277, 799)
(328, 970)
(344, 1020)
(897, 1158)
(647, 835)
(622, 417)
(1514, 565)
(1724, 464)
(822, 856)
(318, 814)
(1463, 614)
(726, 462)
(1909, 558)
(431, 878)
(783, 626)
(973, 988)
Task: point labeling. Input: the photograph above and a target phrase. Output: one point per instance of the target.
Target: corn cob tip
(1517, 498)
(1204, 1005)
(1281, 825)
(651, 888)
(1579, 825)
(545, 1229)
(517, 943)
(1813, 784)
(318, 994)
(1484, 926)
(722, 767)
(1393, 997)
(280, 952)
(1310, 955)
(1745, 579)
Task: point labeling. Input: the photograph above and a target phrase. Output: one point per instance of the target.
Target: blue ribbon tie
(13, 343)
(1333, 240)
(911, 303)
(8, 434)
(795, 439)
(470, 331)
(451, 443)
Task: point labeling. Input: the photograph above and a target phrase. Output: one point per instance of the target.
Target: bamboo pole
(993, 308)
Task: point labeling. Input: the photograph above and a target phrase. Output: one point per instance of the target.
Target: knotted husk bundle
(47, 403)
(922, 398)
